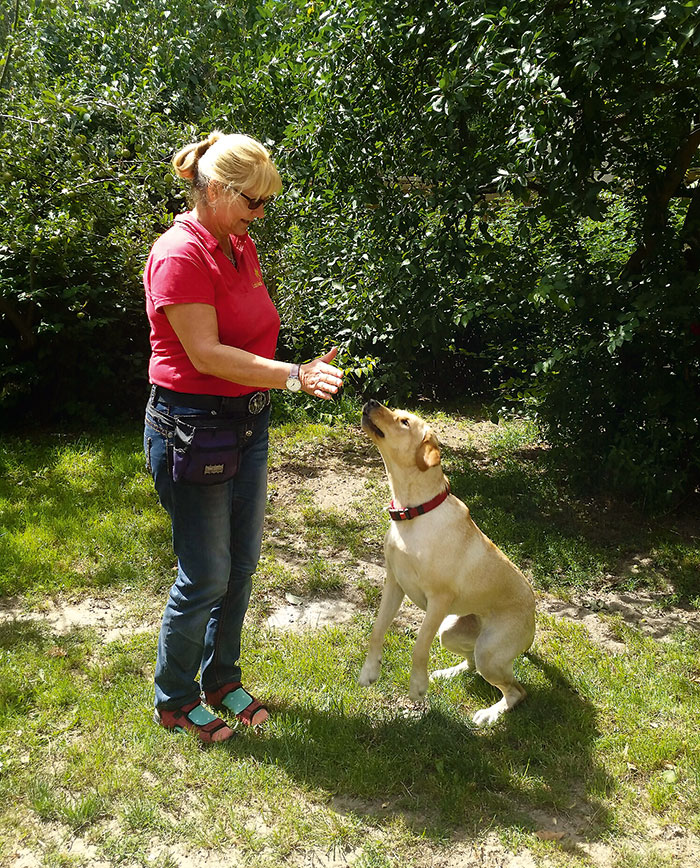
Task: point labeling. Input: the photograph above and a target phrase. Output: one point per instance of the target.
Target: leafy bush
(432, 124)
(96, 98)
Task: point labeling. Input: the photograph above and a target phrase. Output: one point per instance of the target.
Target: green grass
(76, 514)
(607, 743)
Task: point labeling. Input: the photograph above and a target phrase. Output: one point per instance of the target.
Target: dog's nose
(371, 404)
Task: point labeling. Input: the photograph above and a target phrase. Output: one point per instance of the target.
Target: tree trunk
(8, 56)
(691, 234)
(660, 193)
(23, 323)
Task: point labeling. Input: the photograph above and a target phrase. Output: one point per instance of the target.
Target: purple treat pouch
(205, 451)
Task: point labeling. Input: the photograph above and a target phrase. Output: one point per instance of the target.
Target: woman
(214, 333)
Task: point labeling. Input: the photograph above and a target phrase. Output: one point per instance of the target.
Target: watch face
(293, 384)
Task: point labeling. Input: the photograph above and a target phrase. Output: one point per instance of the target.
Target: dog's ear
(428, 453)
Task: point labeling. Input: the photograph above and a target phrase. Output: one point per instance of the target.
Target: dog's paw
(487, 716)
(465, 666)
(368, 674)
(417, 688)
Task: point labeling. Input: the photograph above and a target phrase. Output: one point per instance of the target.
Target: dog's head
(404, 439)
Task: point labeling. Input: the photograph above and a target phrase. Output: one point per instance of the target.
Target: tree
(509, 184)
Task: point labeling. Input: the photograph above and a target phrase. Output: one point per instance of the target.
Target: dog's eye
(406, 423)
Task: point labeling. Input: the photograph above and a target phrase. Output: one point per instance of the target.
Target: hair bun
(186, 160)
(232, 162)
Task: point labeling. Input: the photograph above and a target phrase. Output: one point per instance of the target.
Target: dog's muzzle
(367, 422)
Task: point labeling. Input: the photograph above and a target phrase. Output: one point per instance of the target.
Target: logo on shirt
(258, 281)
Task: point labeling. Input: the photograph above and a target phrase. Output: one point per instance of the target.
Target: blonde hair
(234, 162)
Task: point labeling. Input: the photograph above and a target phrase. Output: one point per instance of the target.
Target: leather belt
(251, 404)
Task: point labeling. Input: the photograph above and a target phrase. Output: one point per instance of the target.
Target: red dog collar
(413, 511)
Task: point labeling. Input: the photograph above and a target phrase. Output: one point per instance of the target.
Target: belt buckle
(257, 403)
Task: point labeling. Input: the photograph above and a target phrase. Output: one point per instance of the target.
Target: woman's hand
(319, 378)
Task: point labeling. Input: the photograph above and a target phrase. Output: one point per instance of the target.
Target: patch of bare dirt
(644, 610)
(638, 610)
(326, 477)
(314, 614)
(672, 845)
(105, 616)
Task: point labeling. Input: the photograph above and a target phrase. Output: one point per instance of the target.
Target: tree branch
(24, 120)
(95, 181)
(659, 195)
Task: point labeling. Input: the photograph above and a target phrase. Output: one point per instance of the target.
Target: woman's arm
(197, 330)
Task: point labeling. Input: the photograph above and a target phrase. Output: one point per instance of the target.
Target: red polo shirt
(187, 266)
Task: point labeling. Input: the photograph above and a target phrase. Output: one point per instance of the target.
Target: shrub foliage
(481, 198)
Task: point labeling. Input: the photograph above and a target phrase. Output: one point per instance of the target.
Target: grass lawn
(599, 767)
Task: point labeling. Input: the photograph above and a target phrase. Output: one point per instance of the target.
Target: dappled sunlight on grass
(600, 737)
(77, 515)
(336, 759)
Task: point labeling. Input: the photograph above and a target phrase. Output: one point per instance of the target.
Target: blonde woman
(214, 333)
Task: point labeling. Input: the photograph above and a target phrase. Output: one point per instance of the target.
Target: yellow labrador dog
(479, 602)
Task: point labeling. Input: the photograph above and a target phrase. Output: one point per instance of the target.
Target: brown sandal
(198, 719)
(233, 697)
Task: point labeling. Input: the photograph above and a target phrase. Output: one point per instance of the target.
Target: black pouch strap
(168, 421)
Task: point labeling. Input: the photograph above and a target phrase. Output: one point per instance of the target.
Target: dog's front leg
(435, 613)
(392, 597)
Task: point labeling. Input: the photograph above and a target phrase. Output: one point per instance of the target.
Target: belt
(251, 404)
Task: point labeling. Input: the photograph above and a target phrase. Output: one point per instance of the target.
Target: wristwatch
(293, 382)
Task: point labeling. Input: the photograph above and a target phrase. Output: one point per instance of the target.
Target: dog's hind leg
(494, 656)
(392, 597)
(458, 634)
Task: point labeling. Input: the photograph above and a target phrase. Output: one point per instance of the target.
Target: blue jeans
(217, 534)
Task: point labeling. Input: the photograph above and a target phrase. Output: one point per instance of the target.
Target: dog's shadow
(439, 773)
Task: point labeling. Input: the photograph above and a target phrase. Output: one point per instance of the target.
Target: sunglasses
(254, 204)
